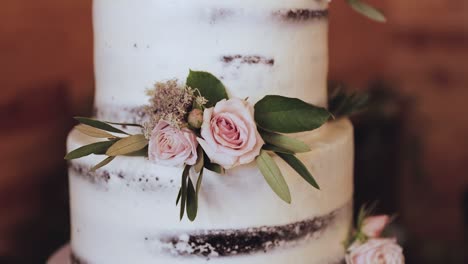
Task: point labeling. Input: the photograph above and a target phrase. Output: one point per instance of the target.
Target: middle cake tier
(126, 212)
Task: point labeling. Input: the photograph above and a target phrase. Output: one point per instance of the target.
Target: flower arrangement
(366, 244)
(197, 126)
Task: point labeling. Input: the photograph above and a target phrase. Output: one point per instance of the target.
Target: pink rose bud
(195, 118)
(229, 133)
(382, 251)
(374, 225)
(171, 146)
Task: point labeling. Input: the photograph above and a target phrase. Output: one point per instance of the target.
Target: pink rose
(229, 133)
(382, 251)
(171, 146)
(374, 225)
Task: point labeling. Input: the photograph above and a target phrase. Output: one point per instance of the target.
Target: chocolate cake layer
(143, 182)
(234, 242)
(300, 15)
(247, 59)
(135, 115)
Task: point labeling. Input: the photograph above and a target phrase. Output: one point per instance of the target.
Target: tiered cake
(125, 212)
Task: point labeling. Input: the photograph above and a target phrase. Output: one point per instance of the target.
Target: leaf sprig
(274, 115)
(120, 143)
(357, 234)
(189, 193)
(341, 103)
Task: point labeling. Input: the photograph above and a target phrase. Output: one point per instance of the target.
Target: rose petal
(171, 146)
(250, 156)
(230, 148)
(385, 251)
(224, 160)
(230, 134)
(374, 225)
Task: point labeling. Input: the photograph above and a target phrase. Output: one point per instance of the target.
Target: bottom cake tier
(126, 211)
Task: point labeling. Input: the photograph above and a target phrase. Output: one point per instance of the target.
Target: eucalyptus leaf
(140, 153)
(300, 168)
(179, 196)
(124, 124)
(200, 160)
(214, 167)
(192, 202)
(98, 148)
(183, 197)
(276, 149)
(342, 103)
(93, 132)
(364, 212)
(102, 164)
(288, 115)
(208, 85)
(99, 124)
(273, 176)
(285, 142)
(361, 216)
(199, 182)
(367, 10)
(128, 145)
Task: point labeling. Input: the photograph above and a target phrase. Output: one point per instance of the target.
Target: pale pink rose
(229, 133)
(374, 225)
(171, 146)
(376, 251)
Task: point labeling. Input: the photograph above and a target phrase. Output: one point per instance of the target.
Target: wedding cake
(125, 212)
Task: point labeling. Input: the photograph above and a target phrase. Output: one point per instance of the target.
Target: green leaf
(99, 124)
(300, 168)
(208, 85)
(183, 199)
(288, 115)
(93, 132)
(140, 153)
(128, 145)
(364, 212)
(102, 163)
(179, 196)
(200, 161)
(367, 10)
(273, 176)
(276, 149)
(343, 104)
(124, 124)
(285, 142)
(199, 182)
(361, 216)
(98, 148)
(192, 196)
(212, 166)
(192, 202)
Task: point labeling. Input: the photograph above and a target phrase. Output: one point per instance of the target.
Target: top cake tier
(255, 47)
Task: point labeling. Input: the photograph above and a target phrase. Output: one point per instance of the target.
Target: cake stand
(62, 256)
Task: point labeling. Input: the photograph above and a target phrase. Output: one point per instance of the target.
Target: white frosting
(138, 43)
(111, 219)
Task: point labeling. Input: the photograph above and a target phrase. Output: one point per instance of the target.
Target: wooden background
(46, 77)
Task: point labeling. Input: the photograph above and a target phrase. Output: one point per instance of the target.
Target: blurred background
(412, 146)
